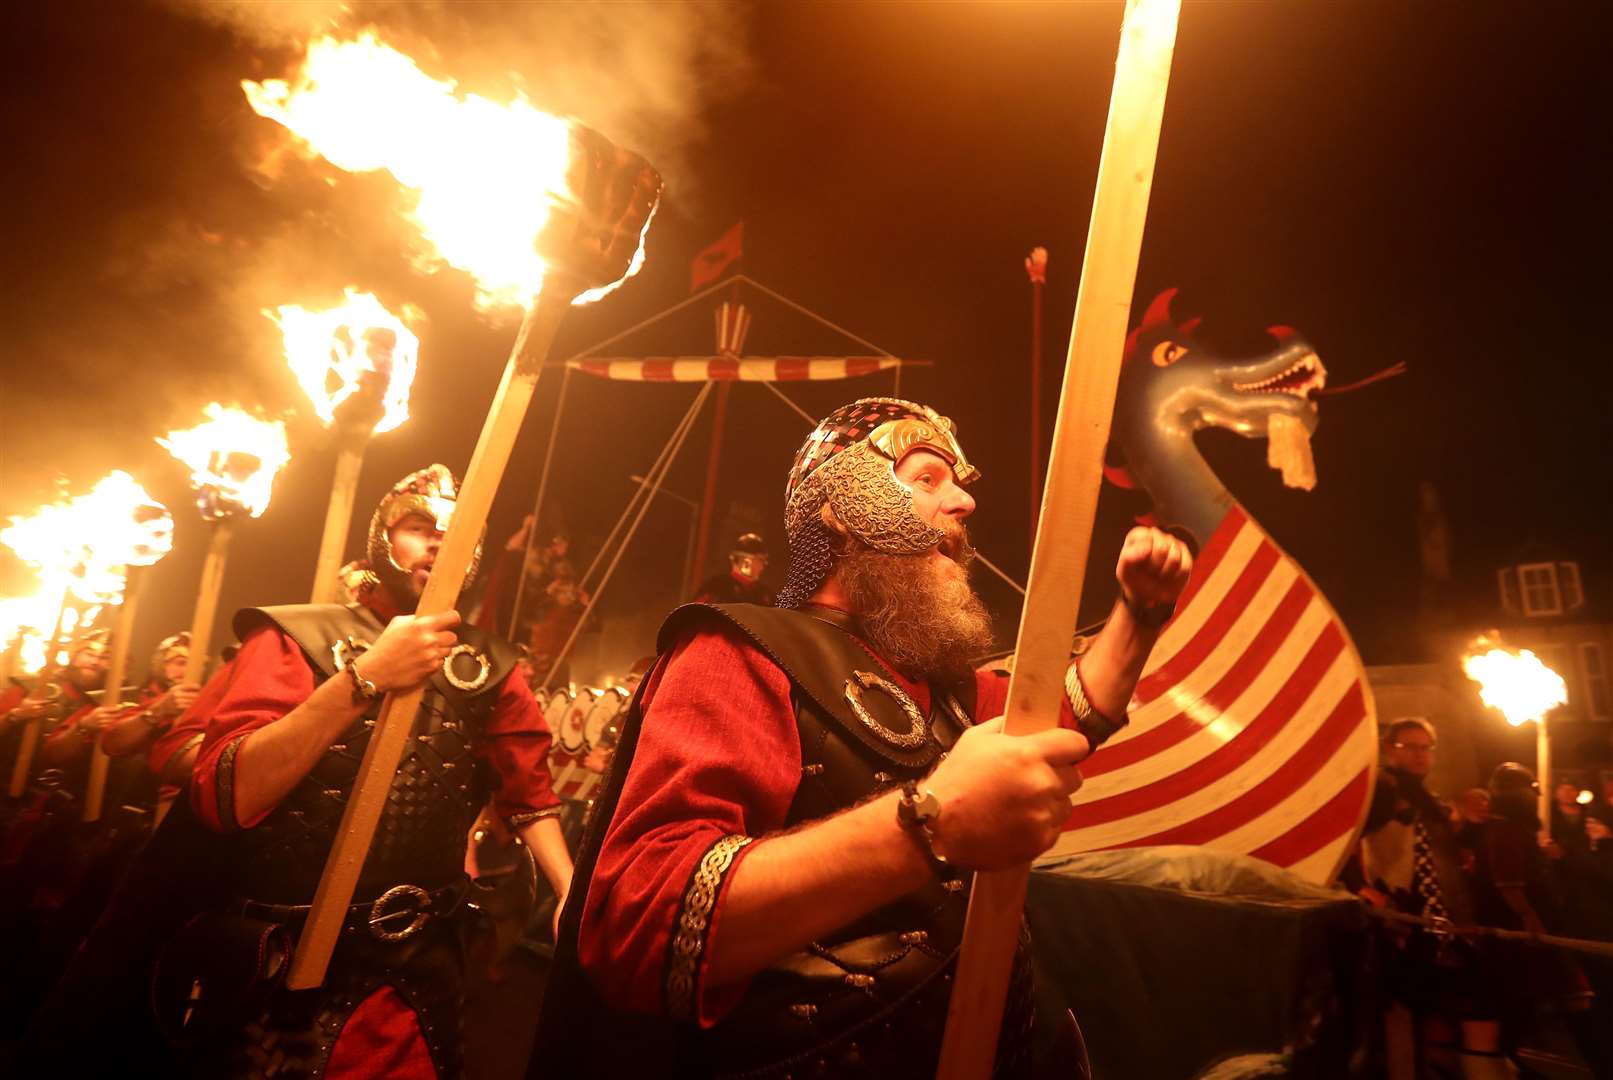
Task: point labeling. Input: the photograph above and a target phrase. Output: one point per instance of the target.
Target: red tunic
(718, 755)
(188, 727)
(271, 677)
(267, 679)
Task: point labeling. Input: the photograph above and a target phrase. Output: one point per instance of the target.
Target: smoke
(645, 74)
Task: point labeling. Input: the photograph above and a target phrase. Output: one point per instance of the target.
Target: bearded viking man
(274, 773)
(778, 871)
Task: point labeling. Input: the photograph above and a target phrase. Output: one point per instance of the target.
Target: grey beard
(917, 613)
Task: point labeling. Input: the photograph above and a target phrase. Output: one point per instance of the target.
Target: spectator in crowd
(1411, 863)
(1515, 888)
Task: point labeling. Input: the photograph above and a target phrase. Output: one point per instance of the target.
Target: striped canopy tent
(718, 371)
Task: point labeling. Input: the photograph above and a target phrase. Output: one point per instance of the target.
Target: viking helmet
(430, 492)
(848, 464)
(174, 646)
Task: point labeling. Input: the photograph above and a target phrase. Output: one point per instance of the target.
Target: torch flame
(485, 175)
(234, 458)
(1513, 681)
(351, 346)
(81, 546)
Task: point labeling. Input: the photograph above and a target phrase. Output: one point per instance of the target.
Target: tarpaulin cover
(1178, 959)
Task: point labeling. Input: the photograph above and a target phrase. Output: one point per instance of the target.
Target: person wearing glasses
(1411, 862)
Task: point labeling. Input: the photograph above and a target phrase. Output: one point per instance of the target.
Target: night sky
(1422, 183)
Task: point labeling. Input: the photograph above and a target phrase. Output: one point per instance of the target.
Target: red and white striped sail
(1252, 729)
(735, 368)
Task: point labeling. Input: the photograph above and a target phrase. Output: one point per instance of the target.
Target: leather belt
(397, 914)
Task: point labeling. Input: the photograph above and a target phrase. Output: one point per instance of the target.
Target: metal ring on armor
(379, 913)
(867, 680)
(346, 650)
(484, 667)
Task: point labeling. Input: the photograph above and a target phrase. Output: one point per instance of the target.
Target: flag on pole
(715, 260)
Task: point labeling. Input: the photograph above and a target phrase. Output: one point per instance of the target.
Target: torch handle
(339, 517)
(1070, 500)
(31, 728)
(117, 666)
(201, 622)
(391, 732)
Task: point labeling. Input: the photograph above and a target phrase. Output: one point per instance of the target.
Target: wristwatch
(916, 813)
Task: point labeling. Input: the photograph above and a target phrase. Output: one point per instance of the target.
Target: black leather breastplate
(438, 790)
(869, 999)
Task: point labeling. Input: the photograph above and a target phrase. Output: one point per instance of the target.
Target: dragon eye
(1167, 353)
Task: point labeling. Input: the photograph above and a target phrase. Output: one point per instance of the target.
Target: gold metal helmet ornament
(848, 464)
(430, 492)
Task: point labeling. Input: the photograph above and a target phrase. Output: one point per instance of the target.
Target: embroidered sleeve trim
(694, 922)
(527, 817)
(225, 784)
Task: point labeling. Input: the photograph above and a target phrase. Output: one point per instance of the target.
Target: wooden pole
(351, 443)
(117, 666)
(31, 728)
(1036, 267)
(1543, 769)
(391, 731)
(708, 500)
(207, 590)
(1069, 505)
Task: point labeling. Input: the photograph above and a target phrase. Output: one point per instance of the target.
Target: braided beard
(917, 611)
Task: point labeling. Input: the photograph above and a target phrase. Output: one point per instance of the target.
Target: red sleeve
(269, 678)
(717, 762)
(11, 698)
(190, 725)
(517, 746)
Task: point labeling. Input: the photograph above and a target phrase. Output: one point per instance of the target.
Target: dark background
(1424, 183)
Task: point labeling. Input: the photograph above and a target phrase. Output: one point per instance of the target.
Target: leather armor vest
(436, 794)
(871, 998)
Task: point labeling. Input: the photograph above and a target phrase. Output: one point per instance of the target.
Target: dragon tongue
(1288, 450)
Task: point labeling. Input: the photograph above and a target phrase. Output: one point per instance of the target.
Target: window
(1538, 583)
(1598, 696)
(1568, 579)
(1508, 581)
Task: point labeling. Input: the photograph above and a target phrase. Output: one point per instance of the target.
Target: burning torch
(542, 214)
(356, 362)
(1522, 688)
(233, 459)
(135, 532)
(67, 542)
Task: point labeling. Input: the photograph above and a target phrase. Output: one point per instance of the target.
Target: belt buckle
(400, 900)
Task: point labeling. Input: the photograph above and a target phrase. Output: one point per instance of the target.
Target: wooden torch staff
(1070, 501)
(31, 728)
(201, 620)
(391, 731)
(117, 667)
(351, 444)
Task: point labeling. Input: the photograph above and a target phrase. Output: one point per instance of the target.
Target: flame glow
(81, 547)
(343, 350)
(1514, 681)
(484, 174)
(234, 458)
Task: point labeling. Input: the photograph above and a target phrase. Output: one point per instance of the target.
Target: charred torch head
(595, 234)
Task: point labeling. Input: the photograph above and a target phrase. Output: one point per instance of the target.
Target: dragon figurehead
(1171, 387)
